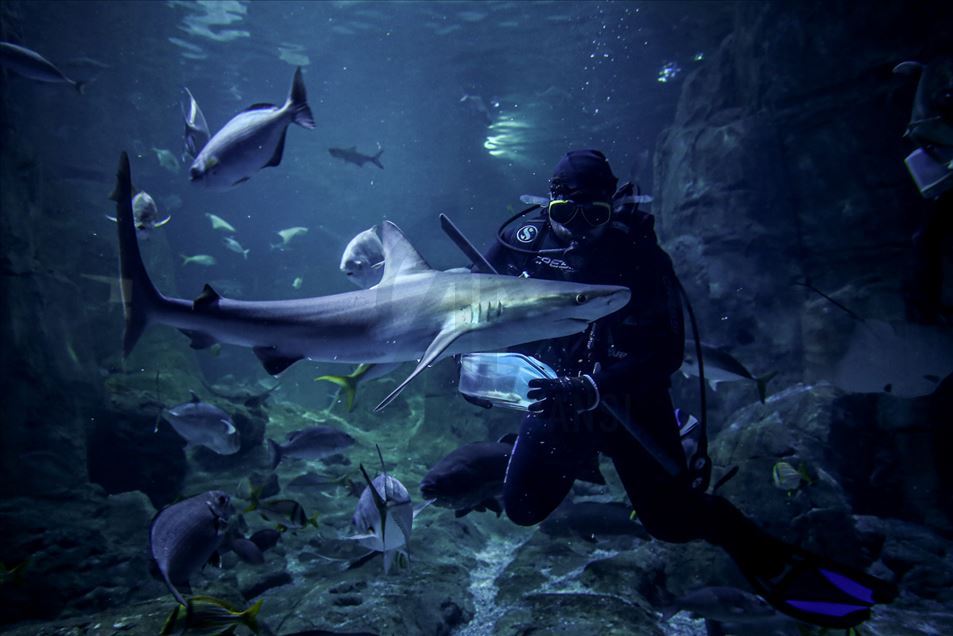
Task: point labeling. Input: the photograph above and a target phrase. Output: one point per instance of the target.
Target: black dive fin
(274, 363)
(823, 593)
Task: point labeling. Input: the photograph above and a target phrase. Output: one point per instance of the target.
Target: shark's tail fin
(376, 159)
(139, 296)
(298, 99)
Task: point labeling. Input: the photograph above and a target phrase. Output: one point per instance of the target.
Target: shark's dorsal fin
(208, 297)
(400, 257)
(195, 399)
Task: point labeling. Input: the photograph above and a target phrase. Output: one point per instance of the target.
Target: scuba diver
(612, 396)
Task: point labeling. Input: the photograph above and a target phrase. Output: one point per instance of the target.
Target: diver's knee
(522, 517)
(524, 510)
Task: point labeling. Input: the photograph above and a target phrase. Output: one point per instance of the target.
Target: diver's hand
(563, 395)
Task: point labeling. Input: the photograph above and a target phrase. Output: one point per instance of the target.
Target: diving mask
(564, 211)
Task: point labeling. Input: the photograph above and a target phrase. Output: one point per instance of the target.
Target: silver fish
(721, 366)
(252, 140)
(186, 534)
(363, 259)
(204, 424)
(235, 246)
(32, 65)
(199, 259)
(146, 214)
(384, 516)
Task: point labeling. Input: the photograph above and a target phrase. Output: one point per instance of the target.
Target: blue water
(553, 76)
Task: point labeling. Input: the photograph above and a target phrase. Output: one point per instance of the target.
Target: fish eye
(222, 500)
(581, 299)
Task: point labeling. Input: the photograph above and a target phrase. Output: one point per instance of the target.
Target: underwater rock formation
(784, 164)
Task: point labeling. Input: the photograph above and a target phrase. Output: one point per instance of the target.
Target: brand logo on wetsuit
(526, 234)
(555, 263)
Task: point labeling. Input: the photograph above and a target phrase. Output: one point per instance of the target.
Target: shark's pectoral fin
(462, 512)
(198, 339)
(163, 221)
(440, 344)
(273, 361)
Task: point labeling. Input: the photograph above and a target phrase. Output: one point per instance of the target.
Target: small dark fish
(311, 481)
(287, 513)
(252, 398)
(316, 442)
(469, 478)
(185, 535)
(591, 519)
(255, 487)
(247, 550)
(351, 155)
(34, 66)
(206, 614)
(720, 604)
(266, 539)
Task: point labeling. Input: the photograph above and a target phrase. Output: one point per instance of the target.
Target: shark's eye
(581, 299)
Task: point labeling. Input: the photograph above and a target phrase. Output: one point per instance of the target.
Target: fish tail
(178, 596)
(245, 253)
(81, 86)
(376, 159)
(762, 383)
(250, 616)
(298, 101)
(275, 453)
(348, 384)
(140, 298)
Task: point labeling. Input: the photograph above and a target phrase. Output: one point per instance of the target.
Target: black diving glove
(563, 395)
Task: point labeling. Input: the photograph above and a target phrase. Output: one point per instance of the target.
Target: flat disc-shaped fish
(184, 536)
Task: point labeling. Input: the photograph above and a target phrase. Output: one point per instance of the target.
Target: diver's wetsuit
(638, 348)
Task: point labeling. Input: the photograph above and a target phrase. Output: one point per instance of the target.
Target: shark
(415, 314)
